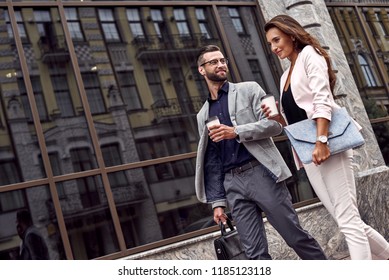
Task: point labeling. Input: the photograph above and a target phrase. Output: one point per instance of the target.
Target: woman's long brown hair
(291, 27)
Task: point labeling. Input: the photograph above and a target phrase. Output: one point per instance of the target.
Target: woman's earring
(295, 43)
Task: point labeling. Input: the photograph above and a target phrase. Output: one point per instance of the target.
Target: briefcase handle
(223, 227)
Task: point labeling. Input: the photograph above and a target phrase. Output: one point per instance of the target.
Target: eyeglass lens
(216, 61)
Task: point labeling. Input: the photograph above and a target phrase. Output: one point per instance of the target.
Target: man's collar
(223, 89)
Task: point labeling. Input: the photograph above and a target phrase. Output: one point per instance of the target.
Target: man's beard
(216, 78)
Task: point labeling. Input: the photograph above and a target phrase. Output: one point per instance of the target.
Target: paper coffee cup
(212, 121)
(270, 102)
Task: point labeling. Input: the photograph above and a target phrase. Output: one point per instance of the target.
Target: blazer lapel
(232, 92)
(204, 114)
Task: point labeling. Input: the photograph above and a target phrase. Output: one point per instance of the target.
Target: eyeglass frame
(217, 61)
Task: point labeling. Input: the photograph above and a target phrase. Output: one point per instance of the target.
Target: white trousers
(334, 184)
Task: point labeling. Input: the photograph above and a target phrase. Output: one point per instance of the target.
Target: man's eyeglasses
(214, 62)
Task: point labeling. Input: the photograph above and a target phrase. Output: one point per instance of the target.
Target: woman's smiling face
(281, 44)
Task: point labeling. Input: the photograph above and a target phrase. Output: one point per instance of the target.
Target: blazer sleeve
(252, 124)
(318, 79)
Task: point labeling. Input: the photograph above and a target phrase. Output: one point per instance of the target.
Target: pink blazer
(310, 87)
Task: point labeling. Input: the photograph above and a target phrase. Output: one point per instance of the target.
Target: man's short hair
(24, 216)
(205, 49)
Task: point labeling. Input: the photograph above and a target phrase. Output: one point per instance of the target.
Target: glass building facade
(363, 31)
(98, 131)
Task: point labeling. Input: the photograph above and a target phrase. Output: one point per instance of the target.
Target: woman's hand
(321, 153)
(266, 111)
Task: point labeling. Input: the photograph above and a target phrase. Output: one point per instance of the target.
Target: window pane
(236, 20)
(110, 31)
(87, 218)
(380, 25)
(367, 71)
(108, 24)
(156, 88)
(18, 143)
(21, 27)
(129, 90)
(135, 22)
(30, 211)
(93, 91)
(381, 131)
(75, 31)
(182, 24)
(105, 15)
(74, 24)
(9, 173)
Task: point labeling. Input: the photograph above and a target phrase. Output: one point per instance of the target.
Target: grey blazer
(255, 132)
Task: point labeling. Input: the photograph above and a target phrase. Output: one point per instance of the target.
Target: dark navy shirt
(231, 152)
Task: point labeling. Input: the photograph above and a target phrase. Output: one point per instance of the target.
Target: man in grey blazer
(238, 162)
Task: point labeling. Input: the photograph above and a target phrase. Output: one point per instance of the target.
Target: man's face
(20, 228)
(214, 67)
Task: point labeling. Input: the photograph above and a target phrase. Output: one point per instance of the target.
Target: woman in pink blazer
(306, 92)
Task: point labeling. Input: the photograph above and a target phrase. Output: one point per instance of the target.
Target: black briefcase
(228, 246)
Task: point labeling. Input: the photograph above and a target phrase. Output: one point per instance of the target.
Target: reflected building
(363, 31)
(98, 130)
(140, 92)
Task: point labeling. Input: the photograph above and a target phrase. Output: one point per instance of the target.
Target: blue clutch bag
(343, 135)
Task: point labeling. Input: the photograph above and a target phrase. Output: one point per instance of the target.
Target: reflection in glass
(87, 218)
(135, 23)
(356, 47)
(55, 90)
(236, 20)
(74, 25)
(363, 63)
(168, 205)
(181, 21)
(129, 90)
(134, 206)
(39, 98)
(93, 92)
(108, 25)
(381, 131)
(203, 23)
(137, 65)
(18, 144)
(139, 78)
(36, 220)
(21, 27)
(298, 185)
(367, 72)
(158, 21)
(33, 0)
